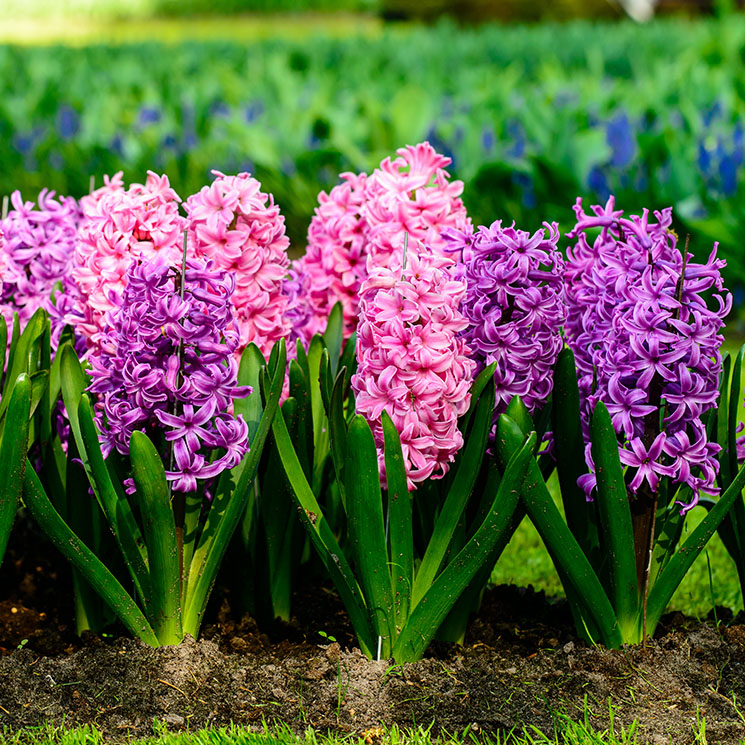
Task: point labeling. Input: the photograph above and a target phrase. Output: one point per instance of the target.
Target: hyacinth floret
(646, 343)
(36, 255)
(241, 229)
(515, 306)
(412, 361)
(120, 225)
(167, 363)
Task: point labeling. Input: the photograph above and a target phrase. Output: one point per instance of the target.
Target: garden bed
(522, 664)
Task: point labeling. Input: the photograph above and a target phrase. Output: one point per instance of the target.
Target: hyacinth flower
(412, 363)
(169, 466)
(120, 225)
(335, 261)
(514, 305)
(241, 229)
(361, 224)
(632, 421)
(37, 250)
(412, 391)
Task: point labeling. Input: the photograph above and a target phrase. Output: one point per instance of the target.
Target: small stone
(569, 648)
(174, 720)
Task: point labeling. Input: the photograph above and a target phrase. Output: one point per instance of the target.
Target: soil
(521, 664)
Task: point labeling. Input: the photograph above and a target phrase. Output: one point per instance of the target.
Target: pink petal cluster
(411, 194)
(110, 184)
(412, 362)
(119, 225)
(361, 223)
(334, 265)
(239, 227)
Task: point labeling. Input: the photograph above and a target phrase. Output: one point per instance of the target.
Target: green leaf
(26, 350)
(615, 520)
(323, 539)
(679, 565)
(13, 450)
(84, 560)
(112, 500)
(366, 529)
(250, 408)
(518, 412)
(333, 337)
(338, 430)
(477, 387)
(160, 536)
(444, 593)
(401, 529)
(458, 494)
(228, 507)
(565, 552)
(570, 459)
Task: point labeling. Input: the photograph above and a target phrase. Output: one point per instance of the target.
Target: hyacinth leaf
(13, 449)
(492, 535)
(3, 343)
(24, 355)
(518, 412)
(615, 519)
(338, 430)
(680, 563)
(669, 529)
(303, 436)
(736, 517)
(159, 529)
(84, 560)
(399, 511)
(566, 553)
(570, 459)
(457, 497)
(333, 336)
(14, 341)
(315, 353)
(722, 421)
(325, 378)
(323, 539)
(348, 357)
(228, 506)
(39, 386)
(45, 419)
(250, 407)
(477, 387)
(112, 501)
(366, 529)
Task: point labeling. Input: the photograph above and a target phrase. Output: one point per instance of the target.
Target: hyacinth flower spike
(396, 603)
(153, 433)
(632, 453)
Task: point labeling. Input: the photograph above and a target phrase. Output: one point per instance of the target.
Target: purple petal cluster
(515, 306)
(646, 342)
(36, 255)
(167, 363)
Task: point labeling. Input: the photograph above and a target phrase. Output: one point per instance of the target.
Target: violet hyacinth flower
(515, 306)
(167, 363)
(646, 343)
(412, 361)
(36, 255)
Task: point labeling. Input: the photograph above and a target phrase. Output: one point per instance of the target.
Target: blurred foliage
(532, 117)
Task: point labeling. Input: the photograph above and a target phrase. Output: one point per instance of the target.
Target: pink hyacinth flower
(239, 227)
(412, 362)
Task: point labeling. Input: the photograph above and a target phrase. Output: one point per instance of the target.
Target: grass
(566, 732)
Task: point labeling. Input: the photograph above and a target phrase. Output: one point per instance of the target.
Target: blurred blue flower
(516, 133)
(524, 182)
(117, 145)
(712, 113)
(23, 143)
(598, 182)
(728, 175)
(253, 111)
(219, 108)
(488, 140)
(703, 159)
(169, 141)
(619, 135)
(68, 122)
(148, 115)
(440, 144)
